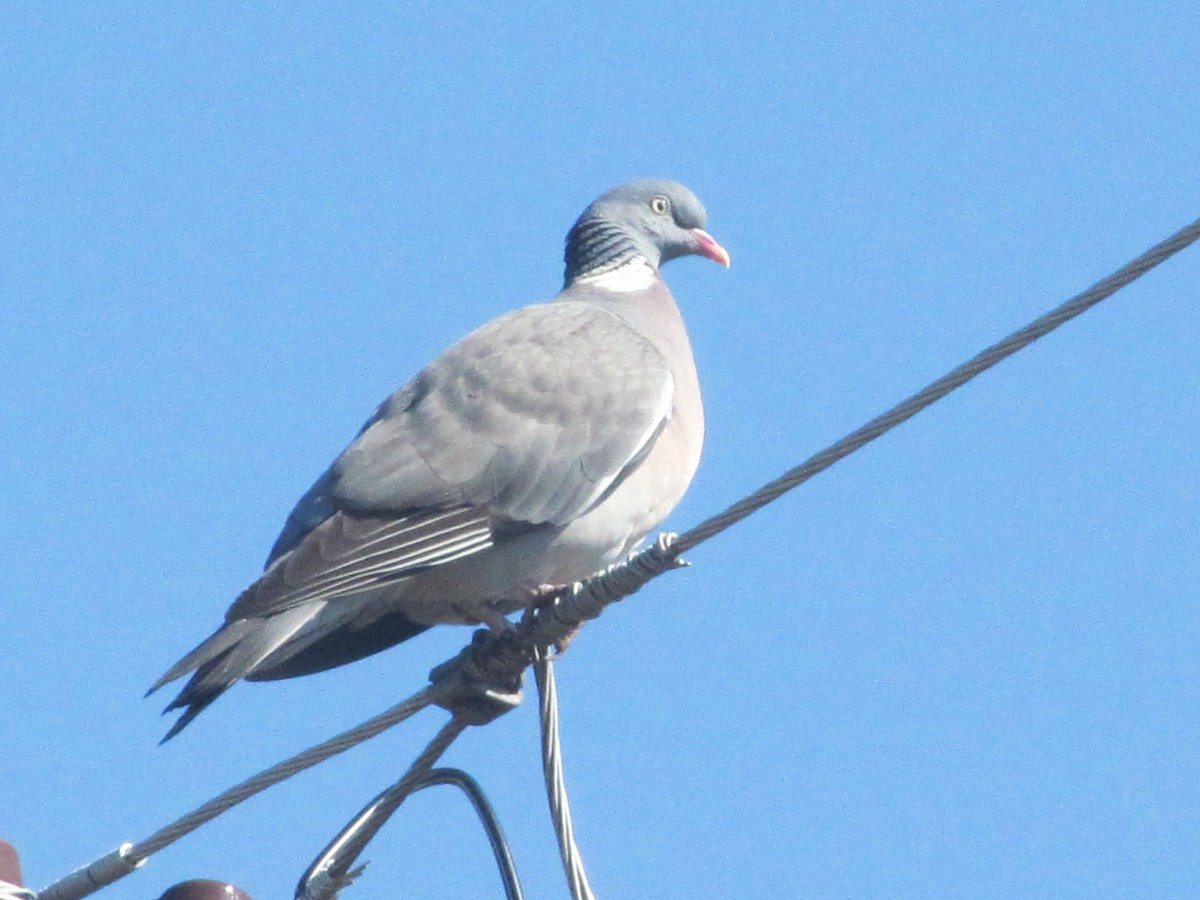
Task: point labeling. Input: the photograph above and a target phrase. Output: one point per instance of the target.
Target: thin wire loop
(489, 820)
(332, 866)
(331, 871)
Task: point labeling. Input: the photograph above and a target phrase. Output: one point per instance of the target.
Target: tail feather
(226, 657)
(214, 646)
(195, 706)
(298, 641)
(353, 641)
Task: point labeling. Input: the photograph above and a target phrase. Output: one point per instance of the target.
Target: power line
(483, 681)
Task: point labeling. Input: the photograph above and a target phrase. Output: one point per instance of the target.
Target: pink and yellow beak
(707, 246)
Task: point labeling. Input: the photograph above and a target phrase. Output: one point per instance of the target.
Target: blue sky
(961, 663)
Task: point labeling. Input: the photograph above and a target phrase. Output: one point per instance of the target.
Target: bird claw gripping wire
(484, 681)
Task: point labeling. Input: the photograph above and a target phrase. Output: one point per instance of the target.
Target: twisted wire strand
(953, 380)
(556, 783)
(280, 771)
(128, 857)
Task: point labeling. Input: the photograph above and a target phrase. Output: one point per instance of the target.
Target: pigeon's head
(654, 220)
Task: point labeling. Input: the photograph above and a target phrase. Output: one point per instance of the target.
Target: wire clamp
(479, 693)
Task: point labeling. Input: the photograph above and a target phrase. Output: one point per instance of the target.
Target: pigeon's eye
(660, 205)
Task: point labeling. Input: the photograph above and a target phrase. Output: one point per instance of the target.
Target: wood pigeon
(539, 449)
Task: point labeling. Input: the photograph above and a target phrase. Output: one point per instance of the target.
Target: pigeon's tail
(233, 652)
(298, 641)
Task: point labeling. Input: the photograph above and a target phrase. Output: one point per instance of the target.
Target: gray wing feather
(533, 416)
(310, 511)
(530, 420)
(347, 554)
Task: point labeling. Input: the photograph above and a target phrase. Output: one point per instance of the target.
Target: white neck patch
(635, 274)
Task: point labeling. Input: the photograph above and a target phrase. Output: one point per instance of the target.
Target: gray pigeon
(537, 450)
